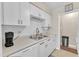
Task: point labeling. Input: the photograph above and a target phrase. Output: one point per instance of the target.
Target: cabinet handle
(41, 43)
(21, 22)
(49, 39)
(39, 14)
(18, 21)
(46, 46)
(26, 50)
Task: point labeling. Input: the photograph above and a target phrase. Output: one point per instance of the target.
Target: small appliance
(9, 39)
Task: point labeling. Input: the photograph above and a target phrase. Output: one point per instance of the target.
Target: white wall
(0, 33)
(69, 27)
(42, 6)
(55, 22)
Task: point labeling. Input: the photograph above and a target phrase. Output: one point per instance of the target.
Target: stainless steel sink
(38, 37)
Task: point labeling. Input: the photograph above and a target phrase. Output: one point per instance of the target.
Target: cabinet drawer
(24, 53)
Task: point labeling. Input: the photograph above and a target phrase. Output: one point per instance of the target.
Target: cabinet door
(34, 10)
(48, 47)
(47, 20)
(24, 53)
(25, 13)
(31, 51)
(42, 49)
(28, 52)
(41, 14)
(11, 13)
(35, 50)
(54, 42)
(51, 45)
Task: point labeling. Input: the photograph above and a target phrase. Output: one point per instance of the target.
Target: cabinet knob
(46, 46)
(49, 39)
(41, 43)
(39, 14)
(18, 21)
(21, 21)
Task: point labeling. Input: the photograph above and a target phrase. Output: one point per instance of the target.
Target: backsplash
(21, 30)
(30, 30)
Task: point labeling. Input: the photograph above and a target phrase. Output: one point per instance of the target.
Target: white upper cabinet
(25, 13)
(37, 12)
(33, 10)
(47, 20)
(42, 14)
(15, 13)
(11, 13)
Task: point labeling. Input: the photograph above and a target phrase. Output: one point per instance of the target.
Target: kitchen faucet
(37, 32)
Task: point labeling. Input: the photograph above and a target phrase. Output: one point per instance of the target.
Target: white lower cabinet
(41, 49)
(49, 47)
(46, 47)
(28, 52)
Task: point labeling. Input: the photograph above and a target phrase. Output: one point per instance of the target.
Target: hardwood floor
(62, 53)
(69, 49)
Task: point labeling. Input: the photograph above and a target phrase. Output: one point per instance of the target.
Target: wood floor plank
(69, 49)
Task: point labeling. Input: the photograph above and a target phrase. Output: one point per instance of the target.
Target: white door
(25, 13)
(11, 13)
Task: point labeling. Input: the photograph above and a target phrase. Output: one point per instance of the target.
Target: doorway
(68, 28)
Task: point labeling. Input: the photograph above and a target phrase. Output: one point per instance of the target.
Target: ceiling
(55, 5)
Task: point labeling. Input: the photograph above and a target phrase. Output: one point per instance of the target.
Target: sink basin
(31, 37)
(38, 38)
